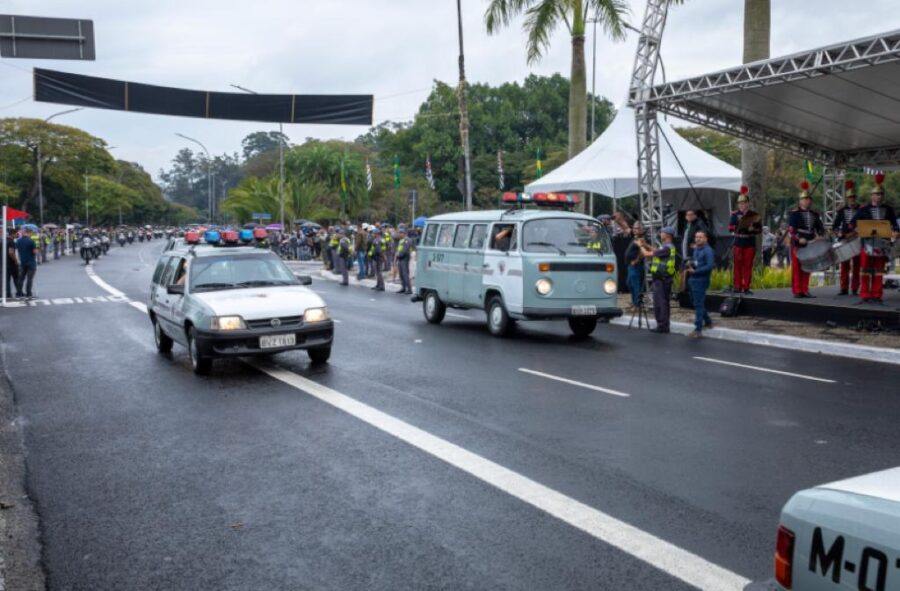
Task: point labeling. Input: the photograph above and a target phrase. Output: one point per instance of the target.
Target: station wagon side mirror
(303, 279)
(175, 289)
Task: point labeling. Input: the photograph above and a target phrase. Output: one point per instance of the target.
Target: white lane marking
(336, 320)
(455, 315)
(139, 305)
(417, 341)
(667, 557)
(574, 383)
(765, 369)
(103, 284)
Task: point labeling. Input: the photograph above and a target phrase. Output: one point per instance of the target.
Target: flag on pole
(810, 171)
(396, 172)
(539, 166)
(500, 175)
(369, 182)
(343, 178)
(429, 176)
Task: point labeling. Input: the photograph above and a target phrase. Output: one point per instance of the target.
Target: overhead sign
(262, 216)
(38, 37)
(103, 93)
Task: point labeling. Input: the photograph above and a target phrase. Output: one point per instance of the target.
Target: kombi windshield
(235, 272)
(565, 236)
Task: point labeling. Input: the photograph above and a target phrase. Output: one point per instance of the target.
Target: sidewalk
(841, 342)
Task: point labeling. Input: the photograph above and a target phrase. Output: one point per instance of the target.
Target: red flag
(15, 214)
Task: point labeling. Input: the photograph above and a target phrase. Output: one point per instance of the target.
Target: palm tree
(541, 19)
(754, 158)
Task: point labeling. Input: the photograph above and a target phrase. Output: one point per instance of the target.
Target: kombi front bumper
(567, 312)
(239, 343)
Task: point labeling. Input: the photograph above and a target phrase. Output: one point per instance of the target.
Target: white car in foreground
(842, 535)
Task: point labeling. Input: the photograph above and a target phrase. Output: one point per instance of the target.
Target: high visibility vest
(669, 270)
(333, 243)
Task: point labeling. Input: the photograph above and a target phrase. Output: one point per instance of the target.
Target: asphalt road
(148, 477)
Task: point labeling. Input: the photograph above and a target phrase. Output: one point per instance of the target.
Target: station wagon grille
(283, 322)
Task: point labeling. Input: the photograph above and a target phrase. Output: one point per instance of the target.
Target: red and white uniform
(873, 265)
(803, 224)
(744, 250)
(843, 223)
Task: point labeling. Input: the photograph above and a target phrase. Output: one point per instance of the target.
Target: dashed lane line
(573, 382)
(669, 558)
(673, 560)
(765, 369)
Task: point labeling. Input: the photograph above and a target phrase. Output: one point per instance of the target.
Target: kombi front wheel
(433, 308)
(582, 327)
(499, 322)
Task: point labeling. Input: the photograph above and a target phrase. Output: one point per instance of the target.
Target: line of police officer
(375, 247)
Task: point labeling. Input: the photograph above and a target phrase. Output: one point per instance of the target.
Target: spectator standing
(699, 270)
(28, 252)
(12, 270)
(634, 258)
(768, 246)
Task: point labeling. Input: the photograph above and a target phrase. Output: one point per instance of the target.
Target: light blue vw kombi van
(519, 264)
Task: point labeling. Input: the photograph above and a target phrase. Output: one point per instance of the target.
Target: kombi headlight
(315, 315)
(228, 323)
(543, 286)
(609, 286)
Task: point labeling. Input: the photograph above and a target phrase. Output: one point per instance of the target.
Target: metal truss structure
(733, 101)
(647, 133)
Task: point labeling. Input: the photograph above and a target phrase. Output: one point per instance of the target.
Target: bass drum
(846, 250)
(815, 256)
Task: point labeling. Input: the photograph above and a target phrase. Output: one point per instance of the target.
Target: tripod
(640, 313)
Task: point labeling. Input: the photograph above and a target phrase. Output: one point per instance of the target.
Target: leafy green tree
(260, 142)
(542, 17)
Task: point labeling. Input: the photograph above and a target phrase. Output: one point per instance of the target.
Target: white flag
(369, 182)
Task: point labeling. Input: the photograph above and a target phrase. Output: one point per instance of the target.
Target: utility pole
(87, 218)
(40, 165)
(464, 112)
(280, 159)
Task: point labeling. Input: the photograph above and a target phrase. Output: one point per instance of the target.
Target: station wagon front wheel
(433, 308)
(499, 322)
(200, 364)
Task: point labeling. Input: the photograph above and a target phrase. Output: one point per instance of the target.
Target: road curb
(861, 352)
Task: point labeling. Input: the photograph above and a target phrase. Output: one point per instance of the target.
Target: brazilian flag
(539, 166)
(810, 171)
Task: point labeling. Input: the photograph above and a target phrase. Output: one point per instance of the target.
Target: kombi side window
(430, 235)
(503, 237)
(479, 233)
(160, 267)
(462, 236)
(445, 236)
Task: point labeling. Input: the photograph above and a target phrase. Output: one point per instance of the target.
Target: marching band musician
(745, 225)
(804, 225)
(842, 228)
(873, 264)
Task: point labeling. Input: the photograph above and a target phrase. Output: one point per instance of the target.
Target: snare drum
(846, 250)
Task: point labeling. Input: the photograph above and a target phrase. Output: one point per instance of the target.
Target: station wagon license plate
(584, 310)
(275, 341)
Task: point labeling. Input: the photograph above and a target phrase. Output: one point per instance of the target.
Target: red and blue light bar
(542, 199)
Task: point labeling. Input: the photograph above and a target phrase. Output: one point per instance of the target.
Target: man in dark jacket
(699, 269)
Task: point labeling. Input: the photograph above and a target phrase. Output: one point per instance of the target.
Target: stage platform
(827, 306)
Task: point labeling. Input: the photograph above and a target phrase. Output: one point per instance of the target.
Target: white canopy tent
(609, 166)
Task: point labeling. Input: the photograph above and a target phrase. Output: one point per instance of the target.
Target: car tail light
(784, 556)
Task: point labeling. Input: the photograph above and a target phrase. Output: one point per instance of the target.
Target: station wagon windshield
(236, 272)
(565, 236)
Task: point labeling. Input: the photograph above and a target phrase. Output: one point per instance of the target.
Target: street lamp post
(40, 165)
(209, 186)
(280, 160)
(464, 112)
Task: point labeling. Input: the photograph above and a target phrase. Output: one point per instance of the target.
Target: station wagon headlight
(543, 286)
(228, 323)
(315, 315)
(609, 286)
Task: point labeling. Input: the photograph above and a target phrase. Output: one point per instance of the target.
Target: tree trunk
(577, 99)
(754, 158)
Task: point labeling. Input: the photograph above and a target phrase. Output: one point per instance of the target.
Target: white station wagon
(234, 301)
(842, 535)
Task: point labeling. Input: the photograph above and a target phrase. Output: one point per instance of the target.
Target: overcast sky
(393, 49)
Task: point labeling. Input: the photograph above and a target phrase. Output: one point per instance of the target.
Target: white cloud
(384, 47)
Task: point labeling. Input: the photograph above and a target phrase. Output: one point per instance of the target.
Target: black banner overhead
(102, 93)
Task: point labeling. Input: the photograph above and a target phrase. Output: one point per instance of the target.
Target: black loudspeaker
(730, 306)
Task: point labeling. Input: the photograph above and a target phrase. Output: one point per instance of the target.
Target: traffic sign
(38, 37)
(261, 216)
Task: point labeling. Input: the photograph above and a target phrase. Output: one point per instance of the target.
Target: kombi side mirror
(303, 279)
(175, 289)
